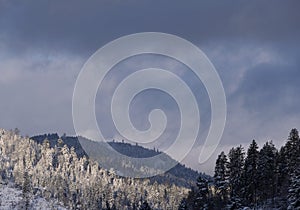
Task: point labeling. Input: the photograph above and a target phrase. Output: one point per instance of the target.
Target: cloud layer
(253, 45)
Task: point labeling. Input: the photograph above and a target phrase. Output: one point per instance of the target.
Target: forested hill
(57, 175)
(179, 175)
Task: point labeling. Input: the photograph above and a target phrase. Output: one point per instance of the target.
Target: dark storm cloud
(82, 27)
(253, 44)
(271, 89)
(264, 104)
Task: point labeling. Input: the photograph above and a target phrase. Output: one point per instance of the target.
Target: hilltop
(179, 175)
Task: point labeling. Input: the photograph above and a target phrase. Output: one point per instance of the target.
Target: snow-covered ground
(11, 198)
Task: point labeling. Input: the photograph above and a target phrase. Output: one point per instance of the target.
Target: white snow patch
(11, 198)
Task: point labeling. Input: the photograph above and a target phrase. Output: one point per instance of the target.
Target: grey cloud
(36, 94)
(271, 88)
(84, 27)
(146, 101)
(254, 46)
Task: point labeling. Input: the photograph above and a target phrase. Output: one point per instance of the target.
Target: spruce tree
(221, 178)
(183, 204)
(26, 192)
(293, 164)
(189, 202)
(294, 191)
(282, 172)
(288, 159)
(202, 194)
(250, 174)
(266, 172)
(235, 171)
(292, 150)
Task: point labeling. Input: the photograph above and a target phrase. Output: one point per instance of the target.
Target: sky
(254, 46)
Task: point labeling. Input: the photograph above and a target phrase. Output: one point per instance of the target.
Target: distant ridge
(179, 175)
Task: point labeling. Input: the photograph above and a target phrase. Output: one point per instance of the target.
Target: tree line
(259, 178)
(58, 174)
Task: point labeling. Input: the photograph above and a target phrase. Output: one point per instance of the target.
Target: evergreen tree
(266, 172)
(26, 192)
(282, 172)
(288, 159)
(198, 198)
(294, 191)
(189, 202)
(250, 175)
(292, 150)
(183, 204)
(221, 178)
(235, 171)
(202, 194)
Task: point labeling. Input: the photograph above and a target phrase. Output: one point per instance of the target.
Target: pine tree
(288, 159)
(293, 150)
(198, 198)
(294, 191)
(183, 205)
(202, 194)
(282, 172)
(250, 174)
(221, 178)
(26, 192)
(189, 202)
(235, 171)
(266, 172)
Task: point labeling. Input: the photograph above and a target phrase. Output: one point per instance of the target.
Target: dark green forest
(259, 178)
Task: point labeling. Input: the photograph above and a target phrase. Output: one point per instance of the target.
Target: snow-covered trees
(266, 172)
(293, 164)
(26, 190)
(202, 193)
(221, 178)
(77, 183)
(294, 191)
(293, 150)
(251, 174)
(264, 179)
(235, 175)
(199, 196)
(145, 206)
(288, 168)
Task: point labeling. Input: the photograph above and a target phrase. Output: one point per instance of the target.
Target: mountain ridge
(179, 175)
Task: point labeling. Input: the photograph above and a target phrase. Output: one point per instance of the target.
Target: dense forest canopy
(265, 178)
(57, 173)
(262, 178)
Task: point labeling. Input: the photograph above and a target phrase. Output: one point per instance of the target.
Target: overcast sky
(254, 46)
